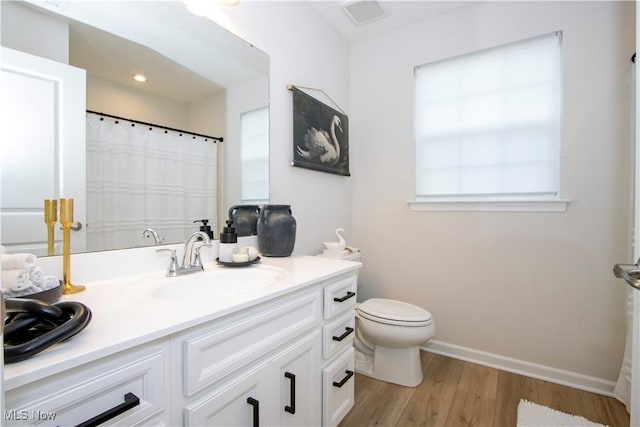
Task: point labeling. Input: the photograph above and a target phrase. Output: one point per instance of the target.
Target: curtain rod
(215, 138)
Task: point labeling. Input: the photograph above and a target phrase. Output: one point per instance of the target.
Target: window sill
(489, 205)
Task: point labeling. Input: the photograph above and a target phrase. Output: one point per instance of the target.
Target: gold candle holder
(50, 218)
(66, 220)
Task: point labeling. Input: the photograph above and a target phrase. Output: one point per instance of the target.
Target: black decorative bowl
(49, 296)
(237, 264)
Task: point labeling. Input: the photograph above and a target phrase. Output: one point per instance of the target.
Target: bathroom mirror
(200, 60)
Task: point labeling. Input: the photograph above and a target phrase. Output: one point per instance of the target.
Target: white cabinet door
(42, 129)
(284, 390)
(295, 383)
(243, 401)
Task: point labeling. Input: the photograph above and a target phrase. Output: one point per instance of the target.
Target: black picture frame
(320, 135)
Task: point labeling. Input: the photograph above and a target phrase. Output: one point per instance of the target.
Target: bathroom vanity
(270, 344)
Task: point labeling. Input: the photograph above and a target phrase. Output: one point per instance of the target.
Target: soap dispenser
(228, 242)
(205, 228)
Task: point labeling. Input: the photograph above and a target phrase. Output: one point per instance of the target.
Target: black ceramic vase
(276, 230)
(245, 219)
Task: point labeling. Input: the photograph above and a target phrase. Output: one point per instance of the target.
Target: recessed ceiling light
(140, 78)
(210, 9)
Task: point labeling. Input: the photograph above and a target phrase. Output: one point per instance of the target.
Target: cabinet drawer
(338, 334)
(74, 397)
(340, 296)
(229, 405)
(212, 352)
(338, 388)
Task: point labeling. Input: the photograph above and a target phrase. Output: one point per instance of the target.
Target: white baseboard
(522, 367)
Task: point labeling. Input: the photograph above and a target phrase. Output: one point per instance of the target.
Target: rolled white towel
(11, 278)
(26, 288)
(37, 276)
(18, 261)
(50, 282)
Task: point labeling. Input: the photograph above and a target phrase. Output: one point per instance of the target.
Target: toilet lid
(394, 312)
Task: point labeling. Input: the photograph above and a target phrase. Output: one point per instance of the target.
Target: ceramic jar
(245, 219)
(276, 230)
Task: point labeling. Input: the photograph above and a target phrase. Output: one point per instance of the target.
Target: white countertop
(125, 315)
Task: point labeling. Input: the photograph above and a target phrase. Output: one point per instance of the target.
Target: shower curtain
(139, 176)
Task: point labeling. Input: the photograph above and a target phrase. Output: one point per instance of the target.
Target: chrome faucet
(191, 260)
(150, 232)
(191, 257)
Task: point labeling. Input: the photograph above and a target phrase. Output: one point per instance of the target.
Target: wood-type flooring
(459, 393)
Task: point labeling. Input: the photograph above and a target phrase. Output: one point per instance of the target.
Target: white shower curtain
(140, 176)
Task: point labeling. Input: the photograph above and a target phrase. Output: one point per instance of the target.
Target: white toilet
(388, 336)
(387, 340)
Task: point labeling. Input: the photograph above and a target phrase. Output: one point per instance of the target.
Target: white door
(42, 154)
(631, 273)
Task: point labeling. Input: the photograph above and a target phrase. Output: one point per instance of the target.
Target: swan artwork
(320, 145)
(340, 245)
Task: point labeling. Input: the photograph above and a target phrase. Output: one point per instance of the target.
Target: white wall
(304, 50)
(32, 32)
(537, 287)
(108, 97)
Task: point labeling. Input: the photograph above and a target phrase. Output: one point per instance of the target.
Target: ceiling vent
(55, 5)
(363, 11)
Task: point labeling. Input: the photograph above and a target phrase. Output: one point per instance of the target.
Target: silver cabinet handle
(75, 226)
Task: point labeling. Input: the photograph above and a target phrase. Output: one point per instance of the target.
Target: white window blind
(254, 155)
(488, 124)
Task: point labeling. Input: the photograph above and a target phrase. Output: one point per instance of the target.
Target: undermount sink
(215, 282)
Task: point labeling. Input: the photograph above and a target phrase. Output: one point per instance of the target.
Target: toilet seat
(392, 312)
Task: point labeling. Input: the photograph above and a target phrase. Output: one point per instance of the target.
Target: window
(254, 155)
(488, 124)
